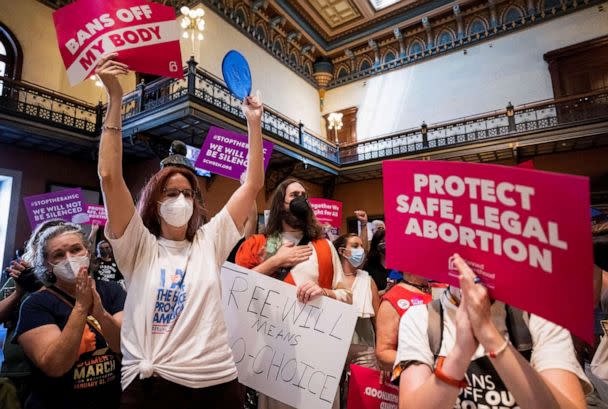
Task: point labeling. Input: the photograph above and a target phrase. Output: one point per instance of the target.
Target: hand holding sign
(107, 70)
(253, 108)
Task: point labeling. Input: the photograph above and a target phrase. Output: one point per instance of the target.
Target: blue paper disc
(237, 74)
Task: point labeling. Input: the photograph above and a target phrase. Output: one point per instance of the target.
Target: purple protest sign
(65, 204)
(225, 153)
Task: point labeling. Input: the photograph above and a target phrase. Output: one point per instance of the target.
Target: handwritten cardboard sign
(368, 389)
(67, 204)
(225, 153)
(145, 35)
(525, 233)
(290, 351)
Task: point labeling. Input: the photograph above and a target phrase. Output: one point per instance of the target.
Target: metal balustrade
(526, 118)
(22, 99)
(32, 102)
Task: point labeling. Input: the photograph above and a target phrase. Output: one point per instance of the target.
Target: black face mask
(382, 248)
(105, 253)
(300, 208)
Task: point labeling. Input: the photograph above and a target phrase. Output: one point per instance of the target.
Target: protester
(410, 291)
(375, 264)
(366, 302)
(106, 268)
(70, 330)
(293, 250)
(175, 345)
(457, 352)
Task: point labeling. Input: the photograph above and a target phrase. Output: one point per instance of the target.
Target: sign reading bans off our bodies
(525, 233)
(145, 35)
(290, 351)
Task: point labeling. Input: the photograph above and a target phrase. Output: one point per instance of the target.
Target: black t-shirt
(107, 271)
(94, 381)
(378, 273)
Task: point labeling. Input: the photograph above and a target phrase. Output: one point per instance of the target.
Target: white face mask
(69, 268)
(176, 211)
(357, 255)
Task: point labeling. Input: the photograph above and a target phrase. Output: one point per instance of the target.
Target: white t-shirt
(174, 325)
(552, 346)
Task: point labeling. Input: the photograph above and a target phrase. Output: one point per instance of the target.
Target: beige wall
(280, 87)
(32, 23)
(509, 68)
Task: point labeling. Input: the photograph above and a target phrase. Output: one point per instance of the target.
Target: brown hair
(342, 241)
(312, 231)
(152, 193)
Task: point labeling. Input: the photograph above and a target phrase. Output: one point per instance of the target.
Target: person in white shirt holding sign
(174, 340)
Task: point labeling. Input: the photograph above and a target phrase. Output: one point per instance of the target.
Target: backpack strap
(435, 325)
(519, 333)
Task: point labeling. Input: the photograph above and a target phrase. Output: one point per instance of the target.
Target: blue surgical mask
(357, 255)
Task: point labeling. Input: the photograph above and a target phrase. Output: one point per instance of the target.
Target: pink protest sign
(367, 389)
(329, 215)
(525, 233)
(97, 214)
(145, 35)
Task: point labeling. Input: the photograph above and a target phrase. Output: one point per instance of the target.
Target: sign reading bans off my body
(145, 35)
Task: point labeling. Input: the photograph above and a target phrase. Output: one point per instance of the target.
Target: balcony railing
(209, 91)
(29, 101)
(22, 99)
(526, 118)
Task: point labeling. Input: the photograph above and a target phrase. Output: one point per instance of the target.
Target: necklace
(424, 288)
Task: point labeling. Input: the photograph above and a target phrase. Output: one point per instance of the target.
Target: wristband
(111, 128)
(460, 384)
(494, 354)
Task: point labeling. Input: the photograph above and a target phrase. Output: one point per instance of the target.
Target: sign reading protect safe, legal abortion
(65, 204)
(225, 153)
(290, 351)
(525, 233)
(145, 35)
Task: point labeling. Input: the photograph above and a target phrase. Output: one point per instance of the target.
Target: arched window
(277, 47)
(240, 16)
(444, 38)
(416, 48)
(477, 26)
(389, 57)
(261, 33)
(308, 69)
(513, 14)
(11, 56)
(342, 73)
(293, 59)
(365, 65)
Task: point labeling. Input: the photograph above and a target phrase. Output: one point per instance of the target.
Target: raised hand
(108, 71)
(84, 294)
(290, 255)
(308, 291)
(253, 108)
(361, 216)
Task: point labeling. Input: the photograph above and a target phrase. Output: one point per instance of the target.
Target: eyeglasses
(188, 193)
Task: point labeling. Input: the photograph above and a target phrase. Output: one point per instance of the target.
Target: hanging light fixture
(193, 25)
(335, 122)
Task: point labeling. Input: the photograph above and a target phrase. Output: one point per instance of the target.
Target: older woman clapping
(70, 330)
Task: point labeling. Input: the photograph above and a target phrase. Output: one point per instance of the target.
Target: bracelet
(460, 384)
(494, 354)
(111, 128)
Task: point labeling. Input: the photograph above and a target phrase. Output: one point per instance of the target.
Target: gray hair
(41, 265)
(31, 245)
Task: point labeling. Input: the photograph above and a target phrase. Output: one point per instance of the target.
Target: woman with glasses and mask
(175, 343)
(106, 268)
(70, 330)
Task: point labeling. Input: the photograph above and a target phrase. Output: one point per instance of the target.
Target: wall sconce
(424, 129)
(510, 109)
(335, 122)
